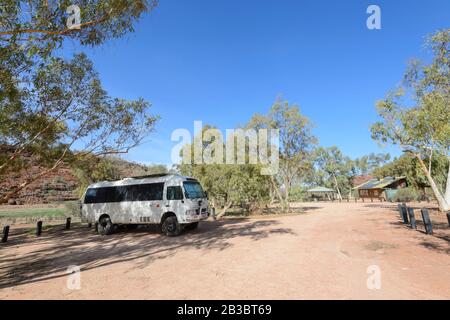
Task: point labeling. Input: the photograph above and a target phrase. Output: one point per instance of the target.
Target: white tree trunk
(447, 189)
(337, 187)
(224, 210)
(443, 204)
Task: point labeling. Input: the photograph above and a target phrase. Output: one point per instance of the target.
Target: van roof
(155, 178)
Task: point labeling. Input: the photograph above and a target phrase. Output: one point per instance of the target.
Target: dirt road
(325, 253)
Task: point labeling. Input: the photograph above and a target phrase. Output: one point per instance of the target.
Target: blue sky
(221, 61)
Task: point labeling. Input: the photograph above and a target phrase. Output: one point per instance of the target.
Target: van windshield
(193, 190)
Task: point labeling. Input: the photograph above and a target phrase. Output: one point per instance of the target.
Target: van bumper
(195, 218)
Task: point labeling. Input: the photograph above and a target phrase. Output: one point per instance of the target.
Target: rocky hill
(63, 183)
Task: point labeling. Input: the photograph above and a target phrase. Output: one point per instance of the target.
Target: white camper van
(172, 201)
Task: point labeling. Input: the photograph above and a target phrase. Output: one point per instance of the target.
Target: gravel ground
(325, 253)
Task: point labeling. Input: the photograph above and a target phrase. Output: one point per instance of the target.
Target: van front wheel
(171, 227)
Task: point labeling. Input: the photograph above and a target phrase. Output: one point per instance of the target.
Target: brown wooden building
(375, 189)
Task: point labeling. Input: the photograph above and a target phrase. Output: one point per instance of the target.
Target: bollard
(371, 200)
(412, 218)
(5, 233)
(38, 228)
(405, 214)
(96, 227)
(427, 221)
(400, 212)
(89, 225)
(68, 223)
(213, 213)
(448, 218)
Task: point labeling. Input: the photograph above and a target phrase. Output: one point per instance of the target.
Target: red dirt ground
(322, 254)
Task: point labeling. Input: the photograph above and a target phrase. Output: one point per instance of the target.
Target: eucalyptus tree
(296, 145)
(64, 115)
(335, 168)
(56, 110)
(423, 129)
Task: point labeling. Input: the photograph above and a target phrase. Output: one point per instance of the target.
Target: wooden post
(68, 223)
(39, 228)
(427, 221)
(405, 214)
(399, 206)
(412, 218)
(5, 233)
(213, 213)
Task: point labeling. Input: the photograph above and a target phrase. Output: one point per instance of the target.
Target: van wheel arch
(166, 215)
(103, 216)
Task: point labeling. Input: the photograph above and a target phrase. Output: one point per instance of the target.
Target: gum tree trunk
(443, 204)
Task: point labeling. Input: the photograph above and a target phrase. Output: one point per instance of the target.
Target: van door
(175, 201)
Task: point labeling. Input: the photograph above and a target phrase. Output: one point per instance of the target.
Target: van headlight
(191, 212)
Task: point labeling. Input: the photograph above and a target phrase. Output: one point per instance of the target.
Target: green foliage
(72, 209)
(64, 105)
(409, 167)
(298, 193)
(49, 104)
(239, 184)
(423, 129)
(334, 170)
(296, 146)
(367, 164)
(405, 195)
(32, 212)
(31, 31)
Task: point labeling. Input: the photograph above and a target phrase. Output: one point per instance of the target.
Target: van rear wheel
(105, 226)
(171, 227)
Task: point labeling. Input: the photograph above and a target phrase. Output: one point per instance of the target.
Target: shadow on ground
(58, 249)
(441, 231)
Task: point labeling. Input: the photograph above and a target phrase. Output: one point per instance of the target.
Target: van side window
(140, 192)
(90, 195)
(174, 193)
(145, 192)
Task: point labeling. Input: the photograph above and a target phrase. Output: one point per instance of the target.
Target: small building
(321, 193)
(384, 188)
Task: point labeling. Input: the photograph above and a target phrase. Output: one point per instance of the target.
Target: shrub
(72, 208)
(405, 195)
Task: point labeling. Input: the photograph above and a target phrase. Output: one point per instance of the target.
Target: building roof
(359, 180)
(321, 189)
(379, 184)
